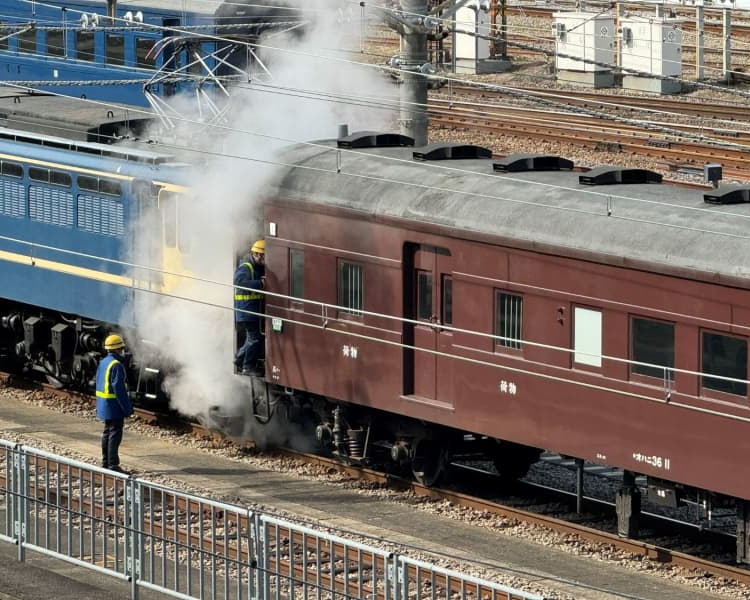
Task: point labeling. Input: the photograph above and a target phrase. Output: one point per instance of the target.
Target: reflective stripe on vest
(107, 394)
(244, 295)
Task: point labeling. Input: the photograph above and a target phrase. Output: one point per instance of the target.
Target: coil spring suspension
(355, 442)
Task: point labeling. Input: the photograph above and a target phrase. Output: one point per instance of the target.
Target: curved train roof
(660, 227)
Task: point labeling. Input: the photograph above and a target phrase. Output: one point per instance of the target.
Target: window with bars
(351, 276)
(508, 320)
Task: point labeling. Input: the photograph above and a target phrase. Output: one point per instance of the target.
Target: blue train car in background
(71, 214)
(108, 50)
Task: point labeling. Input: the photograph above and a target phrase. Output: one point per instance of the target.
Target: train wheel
(428, 461)
(512, 460)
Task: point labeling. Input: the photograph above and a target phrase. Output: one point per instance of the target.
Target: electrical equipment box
(584, 41)
(471, 35)
(651, 45)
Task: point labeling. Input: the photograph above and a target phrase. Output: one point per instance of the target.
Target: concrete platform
(242, 483)
(42, 577)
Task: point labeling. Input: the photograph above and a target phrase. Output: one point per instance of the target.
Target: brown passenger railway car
(435, 307)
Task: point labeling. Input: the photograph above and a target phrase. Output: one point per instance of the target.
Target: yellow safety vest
(243, 294)
(108, 394)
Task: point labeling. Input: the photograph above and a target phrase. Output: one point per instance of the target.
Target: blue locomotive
(68, 209)
(106, 52)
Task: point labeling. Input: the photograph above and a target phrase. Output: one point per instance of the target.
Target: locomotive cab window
(168, 207)
(4, 33)
(724, 356)
(508, 320)
(350, 288)
(652, 343)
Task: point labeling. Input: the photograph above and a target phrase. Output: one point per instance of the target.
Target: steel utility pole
(413, 56)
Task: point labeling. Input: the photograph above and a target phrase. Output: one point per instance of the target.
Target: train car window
(60, 178)
(38, 174)
(142, 48)
(652, 342)
(168, 208)
(27, 41)
(90, 184)
(297, 274)
(108, 186)
(508, 320)
(724, 356)
(4, 33)
(115, 49)
(11, 169)
(350, 287)
(84, 45)
(447, 292)
(587, 336)
(56, 43)
(424, 296)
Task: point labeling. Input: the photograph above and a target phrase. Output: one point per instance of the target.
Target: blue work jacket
(248, 275)
(112, 399)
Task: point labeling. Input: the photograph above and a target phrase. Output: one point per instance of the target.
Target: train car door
(428, 306)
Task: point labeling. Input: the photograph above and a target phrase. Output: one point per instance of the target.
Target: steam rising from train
(193, 324)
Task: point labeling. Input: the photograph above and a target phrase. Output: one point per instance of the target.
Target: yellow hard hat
(259, 247)
(114, 342)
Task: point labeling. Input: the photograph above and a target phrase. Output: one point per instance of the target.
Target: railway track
(486, 505)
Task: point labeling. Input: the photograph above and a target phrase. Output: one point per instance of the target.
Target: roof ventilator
(374, 139)
(730, 194)
(451, 151)
(615, 175)
(515, 163)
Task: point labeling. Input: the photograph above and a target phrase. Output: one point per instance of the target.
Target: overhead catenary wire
(255, 133)
(604, 196)
(442, 77)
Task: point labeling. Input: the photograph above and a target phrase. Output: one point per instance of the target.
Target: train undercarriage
(365, 436)
(65, 350)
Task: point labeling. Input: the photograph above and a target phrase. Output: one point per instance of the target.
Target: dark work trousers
(252, 350)
(111, 438)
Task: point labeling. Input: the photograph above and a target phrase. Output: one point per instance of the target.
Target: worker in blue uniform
(113, 403)
(249, 277)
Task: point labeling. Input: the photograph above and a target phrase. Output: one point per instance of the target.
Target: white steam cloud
(192, 325)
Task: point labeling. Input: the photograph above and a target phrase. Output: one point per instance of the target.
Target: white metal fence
(186, 546)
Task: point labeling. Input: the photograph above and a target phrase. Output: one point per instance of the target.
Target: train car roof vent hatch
(374, 139)
(613, 175)
(451, 151)
(515, 163)
(728, 194)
